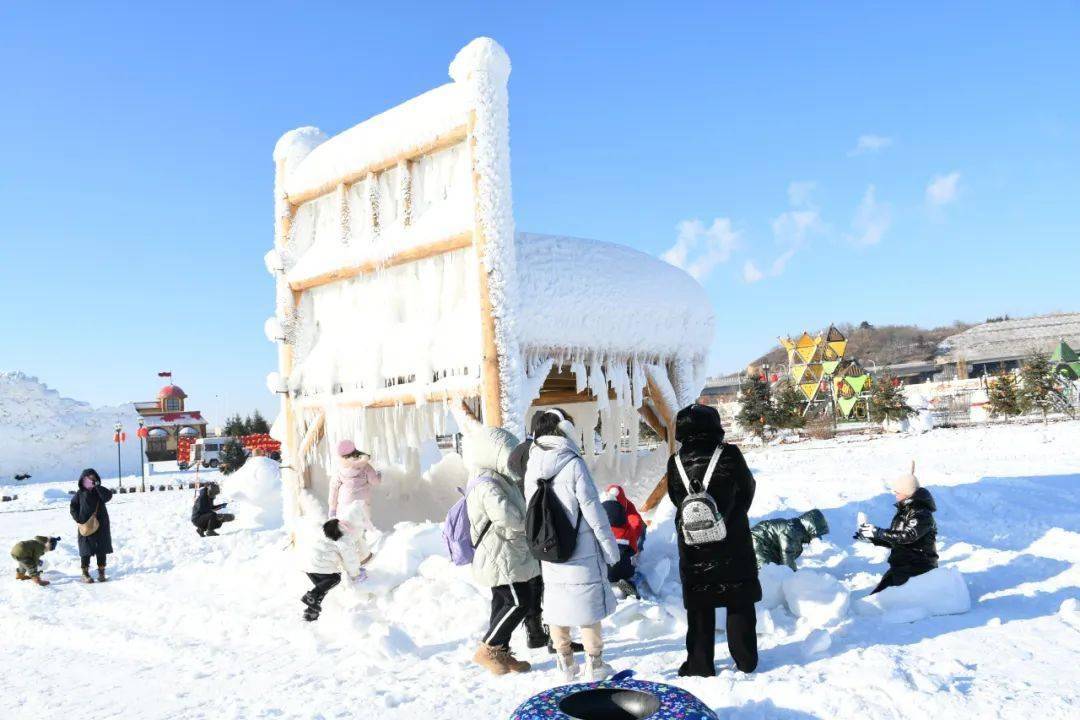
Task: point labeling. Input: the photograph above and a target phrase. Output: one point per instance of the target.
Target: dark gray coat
(83, 504)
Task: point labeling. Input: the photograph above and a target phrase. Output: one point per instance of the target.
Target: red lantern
(775, 377)
(144, 433)
(761, 377)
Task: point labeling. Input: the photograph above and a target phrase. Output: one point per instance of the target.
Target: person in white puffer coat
(576, 592)
(325, 555)
(501, 558)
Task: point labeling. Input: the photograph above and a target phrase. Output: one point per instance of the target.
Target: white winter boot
(596, 669)
(566, 667)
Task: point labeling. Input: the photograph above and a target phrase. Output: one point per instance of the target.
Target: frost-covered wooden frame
(318, 177)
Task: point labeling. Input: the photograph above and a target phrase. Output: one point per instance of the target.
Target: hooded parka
(781, 541)
(576, 592)
(722, 573)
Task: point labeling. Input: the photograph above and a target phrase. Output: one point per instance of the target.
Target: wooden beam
(285, 355)
(491, 383)
(441, 142)
(388, 400)
(311, 437)
(414, 254)
(650, 418)
(658, 494)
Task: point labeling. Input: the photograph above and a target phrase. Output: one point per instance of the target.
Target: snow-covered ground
(211, 628)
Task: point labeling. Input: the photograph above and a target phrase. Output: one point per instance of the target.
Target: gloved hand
(866, 532)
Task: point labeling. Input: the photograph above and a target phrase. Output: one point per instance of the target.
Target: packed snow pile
(410, 631)
(817, 597)
(53, 438)
(254, 493)
(941, 591)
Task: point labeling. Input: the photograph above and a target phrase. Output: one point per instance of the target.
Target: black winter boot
(575, 647)
(311, 614)
(211, 533)
(200, 531)
(535, 633)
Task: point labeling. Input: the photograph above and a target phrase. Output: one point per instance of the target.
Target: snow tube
(618, 698)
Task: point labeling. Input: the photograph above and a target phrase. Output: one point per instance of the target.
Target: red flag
(165, 373)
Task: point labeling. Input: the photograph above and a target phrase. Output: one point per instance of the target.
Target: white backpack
(702, 523)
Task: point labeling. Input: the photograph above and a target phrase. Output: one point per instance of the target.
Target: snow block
(772, 578)
(400, 556)
(817, 597)
(941, 591)
(816, 643)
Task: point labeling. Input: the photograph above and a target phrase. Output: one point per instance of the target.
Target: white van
(207, 451)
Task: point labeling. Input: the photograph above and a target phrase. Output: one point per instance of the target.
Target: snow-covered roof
(173, 419)
(1009, 339)
(597, 297)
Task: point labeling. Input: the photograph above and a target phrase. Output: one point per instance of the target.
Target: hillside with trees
(885, 344)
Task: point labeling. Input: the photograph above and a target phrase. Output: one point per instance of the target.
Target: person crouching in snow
(501, 558)
(328, 553)
(28, 555)
(629, 530)
(780, 541)
(912, 536)
(576, 592)
(204, 515)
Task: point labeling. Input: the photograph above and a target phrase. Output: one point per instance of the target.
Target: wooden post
(491, 385)
(290, 443)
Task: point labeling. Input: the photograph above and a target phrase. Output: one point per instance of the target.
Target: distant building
(721, 389)
(167, 420)
(996, 347)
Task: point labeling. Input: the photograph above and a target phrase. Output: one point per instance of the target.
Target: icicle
(581, 377)
(637, 377)
(344, 231)
(404, 193)
(598, 384)
(373, 203)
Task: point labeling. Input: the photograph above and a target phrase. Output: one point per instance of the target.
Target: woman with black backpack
(576, 589)
(712, 488)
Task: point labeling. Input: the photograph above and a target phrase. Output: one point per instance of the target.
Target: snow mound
(399, 558)
(941, 591)
(255, 494)
(816, 643)
(640, 619)
(53, 438)
(1070, 613)
(772, 578)
(816, 597)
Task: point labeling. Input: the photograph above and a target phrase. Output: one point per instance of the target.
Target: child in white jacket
(326, 555)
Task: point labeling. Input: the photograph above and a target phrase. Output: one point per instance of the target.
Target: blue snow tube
(618, 698)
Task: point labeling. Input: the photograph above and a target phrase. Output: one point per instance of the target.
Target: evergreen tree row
(255, 424)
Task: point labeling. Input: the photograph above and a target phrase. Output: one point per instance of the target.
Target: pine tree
(1038, 387)
(232, 458)
(235, 427)
(258, 425)
(756, 413)
(1004, 396)
(887, 400)
(788, 405)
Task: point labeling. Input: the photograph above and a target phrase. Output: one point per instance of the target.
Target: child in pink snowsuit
(352, 484)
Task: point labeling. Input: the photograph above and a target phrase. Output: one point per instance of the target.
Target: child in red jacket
(629, 528)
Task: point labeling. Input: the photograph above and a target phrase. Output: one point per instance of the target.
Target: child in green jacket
(28, 554)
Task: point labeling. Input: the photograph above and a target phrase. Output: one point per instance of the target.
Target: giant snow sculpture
(403, 290)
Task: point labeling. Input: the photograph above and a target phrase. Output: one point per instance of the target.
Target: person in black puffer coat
(912, 535)
(204, 515)
(91, 498)
(722, 574)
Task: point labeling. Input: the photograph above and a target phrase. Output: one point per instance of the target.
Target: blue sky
(811, 163)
